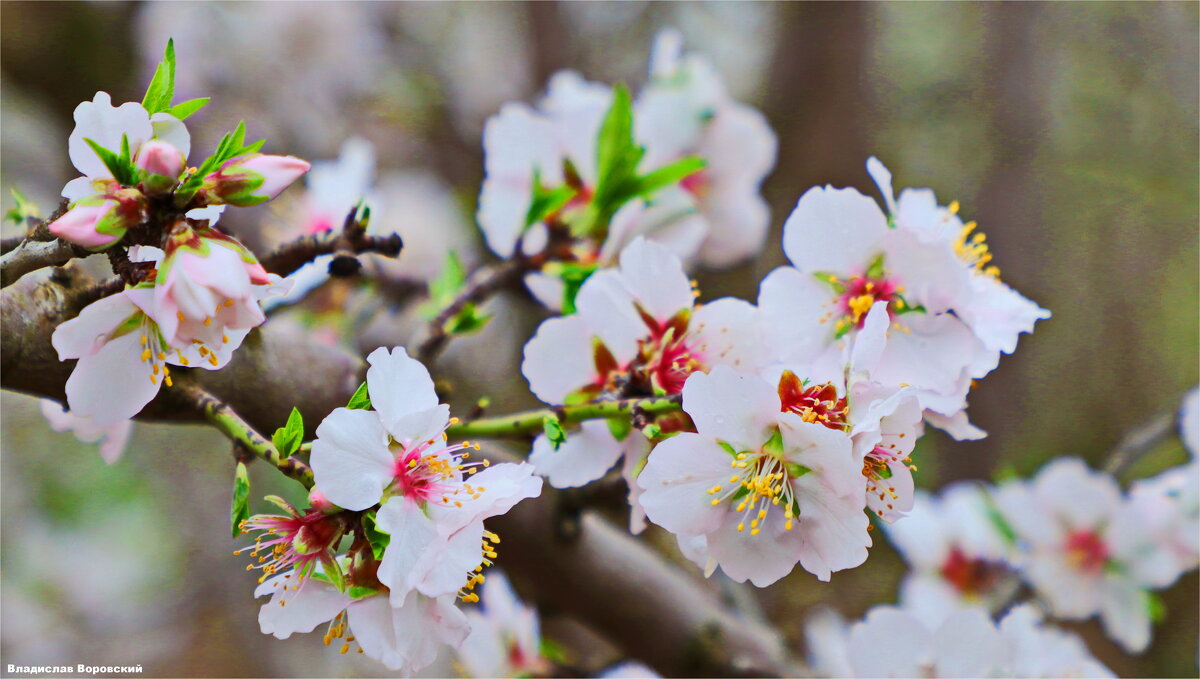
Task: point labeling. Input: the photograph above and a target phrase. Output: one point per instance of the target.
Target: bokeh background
(1069, 131)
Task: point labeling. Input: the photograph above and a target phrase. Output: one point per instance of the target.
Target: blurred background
(1069, 131)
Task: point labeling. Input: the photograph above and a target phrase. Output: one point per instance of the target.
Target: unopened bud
(162, 164)
(99, 221)
(252, 179)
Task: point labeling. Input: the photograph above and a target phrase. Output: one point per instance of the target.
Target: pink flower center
(296, 541)
(698, 184)
(1087, 551)
(861, 293)
(970, 575)
(818, 403)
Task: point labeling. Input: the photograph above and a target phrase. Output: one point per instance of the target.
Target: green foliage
(553, 651)
(444, 290)
(162, 86)
(361, 400)
(546, 201)
(379, 540)
(620, 427)
(184, 109)
(554, 431)
(232, 145)
(239, 507)
(119, 164)
(287, 438)
(22, 211)
(573, 276)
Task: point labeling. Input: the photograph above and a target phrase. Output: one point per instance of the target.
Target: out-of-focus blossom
(1189, 422)
(956, 554)
(630, 669)
(1037, 650)
(1086, 550)
(685, 110)
(504, 639)
(434, 502)
(754, 468)
(112, 438)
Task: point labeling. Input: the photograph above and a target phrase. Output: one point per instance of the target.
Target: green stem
(521, 425)
(221, 416)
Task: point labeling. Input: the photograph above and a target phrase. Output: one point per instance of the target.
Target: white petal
(350, 458)
(678, 475)
(559, 358)
(834, 529)
(170, 129)
(727, 331)
(889, 643)
(795, 310)
(728, 406)
(656, 279)
(1125, 613)
(883, 179)
(105, 124)
(587, 454)
(998, 314)
(86, 333)
(299, 611)
(413, 534)
(398, 385)
(968, 645)
(112, 384)
(836, 231)
(498, 488)
(762, 559)
(607, 304)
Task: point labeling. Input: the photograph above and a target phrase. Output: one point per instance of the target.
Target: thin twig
(221, 416)
(350, 241)
(1139, 442)
(521, 425)
(483, 284)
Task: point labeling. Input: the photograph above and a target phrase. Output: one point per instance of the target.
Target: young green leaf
(379, 540)
(23, 210)
(469, 320)
(162, 86)
(239, 508)
(122, 171)
(184, 109)
(361, 400)
(668, 175)
(546, 201)
(554, 431)
(615, 143)
(287, 438)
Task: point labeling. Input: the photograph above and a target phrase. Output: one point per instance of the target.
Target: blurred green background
(1069, 131)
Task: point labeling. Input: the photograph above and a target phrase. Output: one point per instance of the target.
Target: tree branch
(1140, 441)
(345, 244)
(32, 255)
(484, 283)
(521, 425)
(221, 416)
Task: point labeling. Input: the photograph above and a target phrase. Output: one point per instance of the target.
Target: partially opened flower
(405, 638)
(956, 555)
(124, 356)
(686, 110)
(433, 500)
(504, 639)
(100, 220)
(111, 438)
(251, 179)
(764, 486)
(1086, 549)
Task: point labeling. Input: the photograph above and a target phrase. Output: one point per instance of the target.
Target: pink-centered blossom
(433, 500)
(1086, 550)
(765, 487)
(505, 639)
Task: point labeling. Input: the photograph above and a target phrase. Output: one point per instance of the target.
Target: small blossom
(246, 181)
(754, 468)
(433, 500)
(1037, 650)
(1086, 550)
(162, 164)
(504, 639)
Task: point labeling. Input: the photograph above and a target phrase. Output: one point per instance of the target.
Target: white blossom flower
(404, 638)
(685, 110)
(956, 554)
(504, 639)
(1086, 549)
(847, 256)
(890, 642)
(111, 438)
(433, 502)
(638, 331)
(1037, 650)
(754, 469)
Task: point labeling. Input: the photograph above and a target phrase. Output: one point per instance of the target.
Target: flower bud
(101, 220)
(318, 501)
(162, 164)
(252, 179)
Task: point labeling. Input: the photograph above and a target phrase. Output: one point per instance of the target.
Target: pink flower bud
(252, 179)
(99, 221)
(161, 164)
(318, 501)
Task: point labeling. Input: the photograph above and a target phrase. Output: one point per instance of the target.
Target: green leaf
(185, 109)
(668, 176)
(23, 210)
(554, 431)
(795, 471)
(239, 508)
(379, 540)
(287, 438)
(619, 427)
(727, 448)
(467, 321)
(573, 276)
(615, 142)
(361, 400)
(122, 170)
(875, 270)
(546, 201)
(553, 651)
(360, 592)
(1155, 607)
(162, 86)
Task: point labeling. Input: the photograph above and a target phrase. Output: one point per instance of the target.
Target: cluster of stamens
(297, 541)
(759, 481)
(971, 247)
(856, 295)
(435, 476)
(488, 549)
(337, 630)
(819, 403)
(152, 353)
(878, 474)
